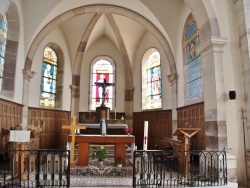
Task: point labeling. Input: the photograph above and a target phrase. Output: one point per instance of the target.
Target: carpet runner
(108, 176)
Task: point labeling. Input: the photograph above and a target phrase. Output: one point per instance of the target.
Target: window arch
(151, 80)
(102, 68)
(3, 35)
(49, 78)
(192, 67)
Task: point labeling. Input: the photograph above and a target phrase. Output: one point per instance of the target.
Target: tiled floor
(100, 182)
(110, 176)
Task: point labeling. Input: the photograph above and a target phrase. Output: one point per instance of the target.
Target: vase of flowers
(100, 155)
(119, 161)
(128, 131)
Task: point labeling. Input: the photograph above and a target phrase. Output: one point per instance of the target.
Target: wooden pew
(175, 158)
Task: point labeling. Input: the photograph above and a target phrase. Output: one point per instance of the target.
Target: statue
(103, 84)
(103, 126)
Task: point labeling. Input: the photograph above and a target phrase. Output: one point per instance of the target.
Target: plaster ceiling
(130, 30)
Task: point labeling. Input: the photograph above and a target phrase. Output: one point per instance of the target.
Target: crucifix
(244, 119)
(73, 128)
(145, 139)
(187, 133)
(103, 84)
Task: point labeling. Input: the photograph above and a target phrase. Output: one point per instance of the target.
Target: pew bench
(173, 154)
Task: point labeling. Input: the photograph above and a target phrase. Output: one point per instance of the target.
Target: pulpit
(187, 133)
(20, 137)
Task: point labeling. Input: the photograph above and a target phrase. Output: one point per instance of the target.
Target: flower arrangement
(100, 155)
(118, 160)
(34, 130)
(128, 130)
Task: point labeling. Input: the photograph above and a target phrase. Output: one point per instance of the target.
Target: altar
(113, 129)
(119, 141)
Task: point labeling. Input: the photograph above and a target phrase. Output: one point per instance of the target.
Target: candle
(145, 137)
(115, 113)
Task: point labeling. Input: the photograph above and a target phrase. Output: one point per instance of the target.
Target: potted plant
(119, 161)
(100, 155)
(128, 131)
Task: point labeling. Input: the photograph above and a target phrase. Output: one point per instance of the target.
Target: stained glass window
(193, 65)
(151, 82)
(49, 74)
(3, 33)
(102, 70)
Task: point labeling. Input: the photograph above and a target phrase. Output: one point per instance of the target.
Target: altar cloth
(110, 126)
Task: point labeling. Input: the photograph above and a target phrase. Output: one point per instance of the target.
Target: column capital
(172, 78)
(28, 75)
(129, 90)
(74, 88)
(214, 45)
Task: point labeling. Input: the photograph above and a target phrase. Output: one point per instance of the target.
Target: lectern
(187, 133)
(21, 137)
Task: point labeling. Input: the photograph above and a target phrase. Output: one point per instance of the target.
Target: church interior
(118, 65)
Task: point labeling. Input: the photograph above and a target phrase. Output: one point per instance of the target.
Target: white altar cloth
(110, 126)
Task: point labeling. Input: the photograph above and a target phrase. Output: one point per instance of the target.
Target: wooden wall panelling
(194, 115)
(10, 115)
(51, 121)
(159, 126)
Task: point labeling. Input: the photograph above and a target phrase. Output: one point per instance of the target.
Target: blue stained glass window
(3, 29)
(194, 82)
(49, 75)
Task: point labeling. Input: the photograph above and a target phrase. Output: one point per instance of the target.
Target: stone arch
(100, 9)
(207, 24)
(205, 18)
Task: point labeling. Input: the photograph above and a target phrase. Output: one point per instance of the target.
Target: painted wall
(147, 42)
(54, 37)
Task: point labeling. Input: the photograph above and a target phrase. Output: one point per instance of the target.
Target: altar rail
(168, 168)
(41, 168)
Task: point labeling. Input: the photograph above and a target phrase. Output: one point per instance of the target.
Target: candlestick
(145, 137)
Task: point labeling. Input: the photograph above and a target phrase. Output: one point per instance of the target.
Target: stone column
(213, 85)
(174, 94)
(242, 8)
(27, 76)
(129, 93)
(214, 100)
